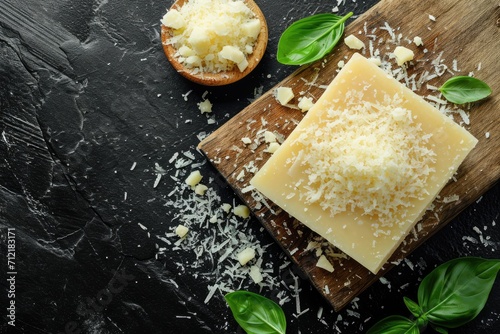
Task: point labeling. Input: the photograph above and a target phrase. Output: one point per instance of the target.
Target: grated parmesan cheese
(363, 161)
(213, 35)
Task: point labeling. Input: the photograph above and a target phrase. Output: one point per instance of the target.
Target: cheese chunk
(365, 163)
(284, 95)
(181, 231)
(194, 178)
(353, 42)
(403, 55)
(246, 255)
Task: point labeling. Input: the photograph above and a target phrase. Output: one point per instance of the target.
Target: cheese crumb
(269, 137)
(255, 274)
(200, 189)
(272, 147)
(375, 60)
(403, 55)
(194, 178)
(205, 106)
(246, 255)
(181, 231)
(353, 42)
(246, 140)
(305, 103)
(417, 41)
(226, 207)
(242, 211)
(324, 264)
(284, 95)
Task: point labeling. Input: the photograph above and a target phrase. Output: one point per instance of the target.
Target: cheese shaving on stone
(213, 35)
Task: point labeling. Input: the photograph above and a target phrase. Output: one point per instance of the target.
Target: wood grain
(463, 31)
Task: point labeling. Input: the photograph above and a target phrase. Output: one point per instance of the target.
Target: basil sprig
(450, 296)
(256, 314)
(464, 89)
(310, 38)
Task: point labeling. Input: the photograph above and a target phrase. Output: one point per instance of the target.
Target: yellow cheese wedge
(365, 163)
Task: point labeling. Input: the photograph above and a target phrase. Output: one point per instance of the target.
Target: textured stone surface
(86, 94)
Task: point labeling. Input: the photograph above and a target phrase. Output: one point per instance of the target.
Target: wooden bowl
(220, 78)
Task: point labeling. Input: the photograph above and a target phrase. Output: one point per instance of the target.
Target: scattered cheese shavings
(157, 180)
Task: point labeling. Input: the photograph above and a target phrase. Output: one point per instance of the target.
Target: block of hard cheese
(365, 163)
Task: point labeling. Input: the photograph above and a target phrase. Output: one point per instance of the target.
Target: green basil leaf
(455, 292)
(394, 324)
(256, 314)
(413, 307)
(464, 89)
(310, 38)
(440, 330)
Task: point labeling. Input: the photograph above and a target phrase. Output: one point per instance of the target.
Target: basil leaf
(310, 38)
(440, 330)
(394, 324)
(464, 89)
(256, 314)
(413, 307)
(455, 292)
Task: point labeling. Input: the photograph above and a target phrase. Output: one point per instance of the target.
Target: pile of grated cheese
(360, 159)
(213, 35)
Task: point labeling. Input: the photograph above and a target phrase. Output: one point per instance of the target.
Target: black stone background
(85, 91)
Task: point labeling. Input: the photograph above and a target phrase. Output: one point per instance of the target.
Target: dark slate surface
(85, 94)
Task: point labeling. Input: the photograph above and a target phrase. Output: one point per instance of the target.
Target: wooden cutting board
(465, 31)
